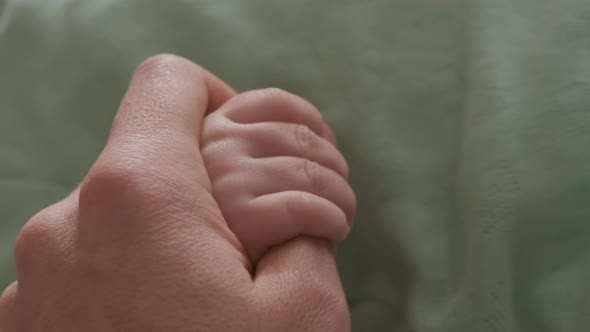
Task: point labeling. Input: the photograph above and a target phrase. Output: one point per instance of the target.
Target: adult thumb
(152, 163)
(160, 117)
(298, 282)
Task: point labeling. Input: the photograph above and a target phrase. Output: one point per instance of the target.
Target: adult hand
(141, 245)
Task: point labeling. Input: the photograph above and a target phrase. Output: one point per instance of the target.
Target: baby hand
(275, 171)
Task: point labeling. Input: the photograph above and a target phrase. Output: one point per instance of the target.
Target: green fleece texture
(466, 125)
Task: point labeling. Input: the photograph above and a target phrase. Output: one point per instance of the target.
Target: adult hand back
(141, 245)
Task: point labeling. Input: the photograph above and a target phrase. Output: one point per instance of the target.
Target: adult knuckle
(8, 293)
(7, 306)
(108, 185)
(36, 240)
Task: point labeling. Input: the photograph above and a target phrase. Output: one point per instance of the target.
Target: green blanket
(466, 124)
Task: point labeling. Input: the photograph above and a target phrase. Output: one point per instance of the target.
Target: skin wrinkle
(145, 243)
(277, 180)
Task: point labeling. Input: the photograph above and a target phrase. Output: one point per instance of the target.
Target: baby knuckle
(351, 206)
(226, 185)
(345, 168)
(306, 140)
(274, 93)
(277, 98)
(314, 176)
(225, 147)
(224, 158)
(218, 126)
(299, 202)
(210, 150)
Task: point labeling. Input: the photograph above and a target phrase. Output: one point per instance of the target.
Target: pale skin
(175, 229)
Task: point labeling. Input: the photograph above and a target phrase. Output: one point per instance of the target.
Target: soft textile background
(466, 124)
